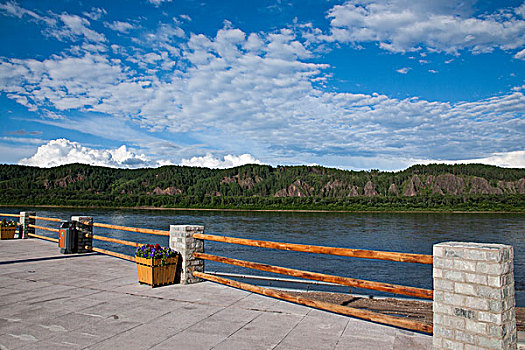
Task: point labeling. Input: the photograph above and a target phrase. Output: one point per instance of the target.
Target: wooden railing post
(84, 229)
(25, 221)
(182, 240)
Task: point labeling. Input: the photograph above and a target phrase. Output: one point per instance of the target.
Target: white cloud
(62, 151)
(95, 13)
(62, 26)
(520, 55)
(157, 3)
(403, 70)
(65, 82)
(514, 159)
(73, 28)
(433, 71)
(11, 8)
(119, 26)
(229, 161)
(23, 140)
(401, 25)
(507, 159)
(238, 92)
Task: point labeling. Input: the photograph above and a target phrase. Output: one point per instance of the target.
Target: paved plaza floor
(93, 301)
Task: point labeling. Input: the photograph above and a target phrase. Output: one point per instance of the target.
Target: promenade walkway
(93, 301)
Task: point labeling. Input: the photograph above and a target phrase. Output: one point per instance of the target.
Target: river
(400, 232)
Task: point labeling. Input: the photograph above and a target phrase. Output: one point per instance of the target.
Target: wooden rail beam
(354, 253)
(345, 281)
(43, 237)
(131, 229)
(45, 219)
(345, 310)
(45, 228)
(10, 215)
(115, 240)
(118, 255)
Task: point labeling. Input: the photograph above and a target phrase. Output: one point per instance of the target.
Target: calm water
(410, 233)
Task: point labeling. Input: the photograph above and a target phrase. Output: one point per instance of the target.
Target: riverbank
(437, 211)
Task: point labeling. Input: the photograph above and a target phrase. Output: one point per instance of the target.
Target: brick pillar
(84, 228)
(474, 296)
(25, 221)
(181, 240)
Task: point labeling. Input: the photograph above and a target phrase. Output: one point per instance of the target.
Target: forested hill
(428, 187)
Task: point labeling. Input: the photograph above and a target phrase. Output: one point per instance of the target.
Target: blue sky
(355, 84)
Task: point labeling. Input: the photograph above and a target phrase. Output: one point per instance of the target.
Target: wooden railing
(44, 228)
(121, 241)
(354, 253)
(344, 310)
(10, 215)
(315, 276)
(132, 229)
(96, 237)
(45, 219)
(51, 239)
(346, 281)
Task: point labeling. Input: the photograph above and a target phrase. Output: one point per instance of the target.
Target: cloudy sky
(354, 84)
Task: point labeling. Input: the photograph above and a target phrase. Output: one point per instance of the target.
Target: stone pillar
(84, 229)
(25, 221)
(181, 240)
(474, 305)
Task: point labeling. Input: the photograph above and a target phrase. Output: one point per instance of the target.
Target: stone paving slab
(93, 301)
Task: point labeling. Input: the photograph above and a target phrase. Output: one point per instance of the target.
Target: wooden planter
(151, 272)
(7, 232)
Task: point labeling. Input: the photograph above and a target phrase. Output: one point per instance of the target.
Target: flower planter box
(7, 232)
(151, 271)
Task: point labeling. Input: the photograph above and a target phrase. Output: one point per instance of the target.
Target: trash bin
(66, 238)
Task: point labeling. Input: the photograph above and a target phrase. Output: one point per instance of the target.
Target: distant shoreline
(439, 211)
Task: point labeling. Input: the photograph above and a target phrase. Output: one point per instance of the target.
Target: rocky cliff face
(297, 189)
(481, 186)
(450, 184)
(168, 190)
(354, 191)
(412, 186)
(370, 189)
(393, 190)
(63, 182)
(243, 181)
(445, 184)
(456, 185)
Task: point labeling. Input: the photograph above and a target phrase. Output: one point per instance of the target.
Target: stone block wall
(181, 239)
(474, 305)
